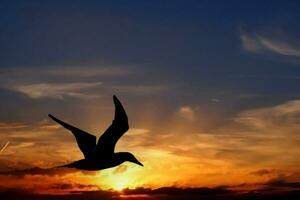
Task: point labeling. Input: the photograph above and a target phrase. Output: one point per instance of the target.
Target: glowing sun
(120, 183)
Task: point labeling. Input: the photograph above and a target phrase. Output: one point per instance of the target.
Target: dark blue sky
(242, 54)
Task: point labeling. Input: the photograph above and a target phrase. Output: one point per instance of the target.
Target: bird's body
(101, 155)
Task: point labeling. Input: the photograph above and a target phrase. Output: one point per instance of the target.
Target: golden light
(120, 184)
(115, 180)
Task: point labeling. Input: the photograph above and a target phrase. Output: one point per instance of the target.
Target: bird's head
(130, 158)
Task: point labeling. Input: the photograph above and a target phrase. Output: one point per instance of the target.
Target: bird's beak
(138, 162)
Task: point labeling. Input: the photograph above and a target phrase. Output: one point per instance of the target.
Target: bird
(101, 155)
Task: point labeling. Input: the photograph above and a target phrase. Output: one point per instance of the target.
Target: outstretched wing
(85, 141)
(107, 142)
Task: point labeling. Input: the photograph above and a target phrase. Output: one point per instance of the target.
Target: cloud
(285, 115)
(263, 172)
(283, 183)
(173, 191)
(17, 146)
(60, 171)
(65, 72)
(166, 193)
(56, 90)
(138, 193)
(215, 100)
(120, 169)
(259, 44)
(250, 44)
(82, 90)
(138, 89)
(74, 186)
(11, 125)
(50, 127)
(21, 194)
(84, 71)
(265, 136)
(76, 82)
(186, 112)
(137, 131)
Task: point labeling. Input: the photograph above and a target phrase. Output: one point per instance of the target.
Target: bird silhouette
(101, 155)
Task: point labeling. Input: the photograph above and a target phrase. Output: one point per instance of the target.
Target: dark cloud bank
(278, 188)
(160, 194)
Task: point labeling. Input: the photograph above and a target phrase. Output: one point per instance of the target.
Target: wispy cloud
(11, 125)
(55, 171)
(75, 82)
(56, 90)
(264, 135)
(139, 89)
(65, 72)
(86, 71)
(258, 44)
(186, 112)
(263, 172)
(282, 115)
(138, 131)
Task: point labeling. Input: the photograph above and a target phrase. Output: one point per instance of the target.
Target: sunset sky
(211, 90)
